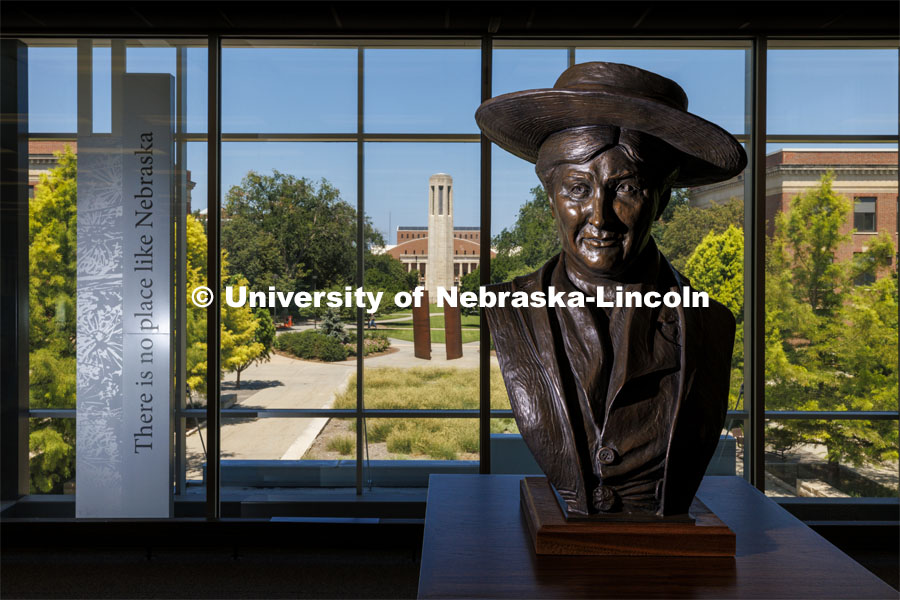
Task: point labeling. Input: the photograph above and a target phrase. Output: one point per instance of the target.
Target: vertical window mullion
(213, 277)
(179, 268)
(484, 338)
(14, 321)
(360, 257)
(754, 272)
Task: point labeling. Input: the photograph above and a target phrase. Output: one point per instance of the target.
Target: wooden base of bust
(552, 534)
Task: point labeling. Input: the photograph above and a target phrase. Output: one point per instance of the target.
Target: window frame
(755, 135)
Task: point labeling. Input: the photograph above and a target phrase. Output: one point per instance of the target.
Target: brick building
(868, 178)
(412, 249)
(418, 248)
(42, 158)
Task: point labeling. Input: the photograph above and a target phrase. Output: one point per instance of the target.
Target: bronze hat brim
(520, 122)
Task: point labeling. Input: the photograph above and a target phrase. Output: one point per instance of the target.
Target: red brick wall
(813, 157)
(48, 147)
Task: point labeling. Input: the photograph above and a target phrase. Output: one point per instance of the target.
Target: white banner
(124, 392)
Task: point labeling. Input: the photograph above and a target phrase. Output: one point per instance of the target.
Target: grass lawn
(437, 335)
(403, 330)
(436, 322)
(426, 388)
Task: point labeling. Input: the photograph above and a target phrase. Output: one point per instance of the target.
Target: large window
(831, 287)
(350, 163)
(75, 92)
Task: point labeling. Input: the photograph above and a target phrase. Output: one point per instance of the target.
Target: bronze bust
(621, 407)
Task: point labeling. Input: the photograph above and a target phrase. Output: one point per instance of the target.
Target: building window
(865, 278)
(864, 214)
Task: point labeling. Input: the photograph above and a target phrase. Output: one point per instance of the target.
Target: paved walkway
(291, 383)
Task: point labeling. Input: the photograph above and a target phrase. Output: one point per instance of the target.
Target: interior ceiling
(512, 18)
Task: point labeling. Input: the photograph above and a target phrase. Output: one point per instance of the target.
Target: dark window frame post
(484, 338)
(14, 474)
(213, 278)
(754, 273)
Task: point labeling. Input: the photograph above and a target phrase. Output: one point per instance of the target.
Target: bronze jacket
(537, 369)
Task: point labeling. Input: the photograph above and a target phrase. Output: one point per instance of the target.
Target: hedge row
(311, 344)
(314, 345)
(373, 341)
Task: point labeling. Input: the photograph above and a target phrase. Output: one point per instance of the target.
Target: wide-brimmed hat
(602, 93)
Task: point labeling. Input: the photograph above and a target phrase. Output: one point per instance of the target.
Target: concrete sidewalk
(293, 383)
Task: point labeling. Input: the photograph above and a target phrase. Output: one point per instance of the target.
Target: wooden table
(476, 545)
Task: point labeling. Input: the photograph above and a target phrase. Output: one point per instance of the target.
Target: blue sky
(314, 90)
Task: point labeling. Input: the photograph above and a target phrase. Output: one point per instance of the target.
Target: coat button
(606, 455)
(604, 498)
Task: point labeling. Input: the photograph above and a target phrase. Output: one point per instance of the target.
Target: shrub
(379, 430)
(342, 445)
(373, 341)
(312, 345)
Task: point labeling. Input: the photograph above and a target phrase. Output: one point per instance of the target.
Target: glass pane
(165, 60)
(289, 90)
(817, 464)
(832, 91)
(102, 89)
(831, 345)
(517, 69)
(289, 226)
(714, 80)
(420, 438)
(52, 91)
(422, 200)
(422, 90)
(51, 456)
(274, 452)
(335, 162)
(197, 90)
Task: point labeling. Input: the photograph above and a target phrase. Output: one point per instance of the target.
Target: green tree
(530, 242)
(51, 269)
(678, 236)
(829, 345)
(264, 340)
(679, 197)
(812, 228)
(333, 327)
(470, 282)
(239, 341)
(384, 273)
(717, 267)
(283, 230)
(253, 252)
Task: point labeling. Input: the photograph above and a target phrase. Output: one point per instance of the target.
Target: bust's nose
(597, 207)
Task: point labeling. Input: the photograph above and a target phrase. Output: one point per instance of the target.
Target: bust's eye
(579, 191)
(626, 188)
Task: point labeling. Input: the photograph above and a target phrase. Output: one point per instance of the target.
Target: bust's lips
(602, 241)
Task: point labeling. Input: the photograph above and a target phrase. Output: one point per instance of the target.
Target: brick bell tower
(439, 271)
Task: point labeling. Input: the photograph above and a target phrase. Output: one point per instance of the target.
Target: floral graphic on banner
(99, 316)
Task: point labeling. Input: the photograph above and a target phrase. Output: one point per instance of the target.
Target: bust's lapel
(535, 388)
(645, 341)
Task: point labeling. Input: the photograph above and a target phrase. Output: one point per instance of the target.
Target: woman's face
(603, 209)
